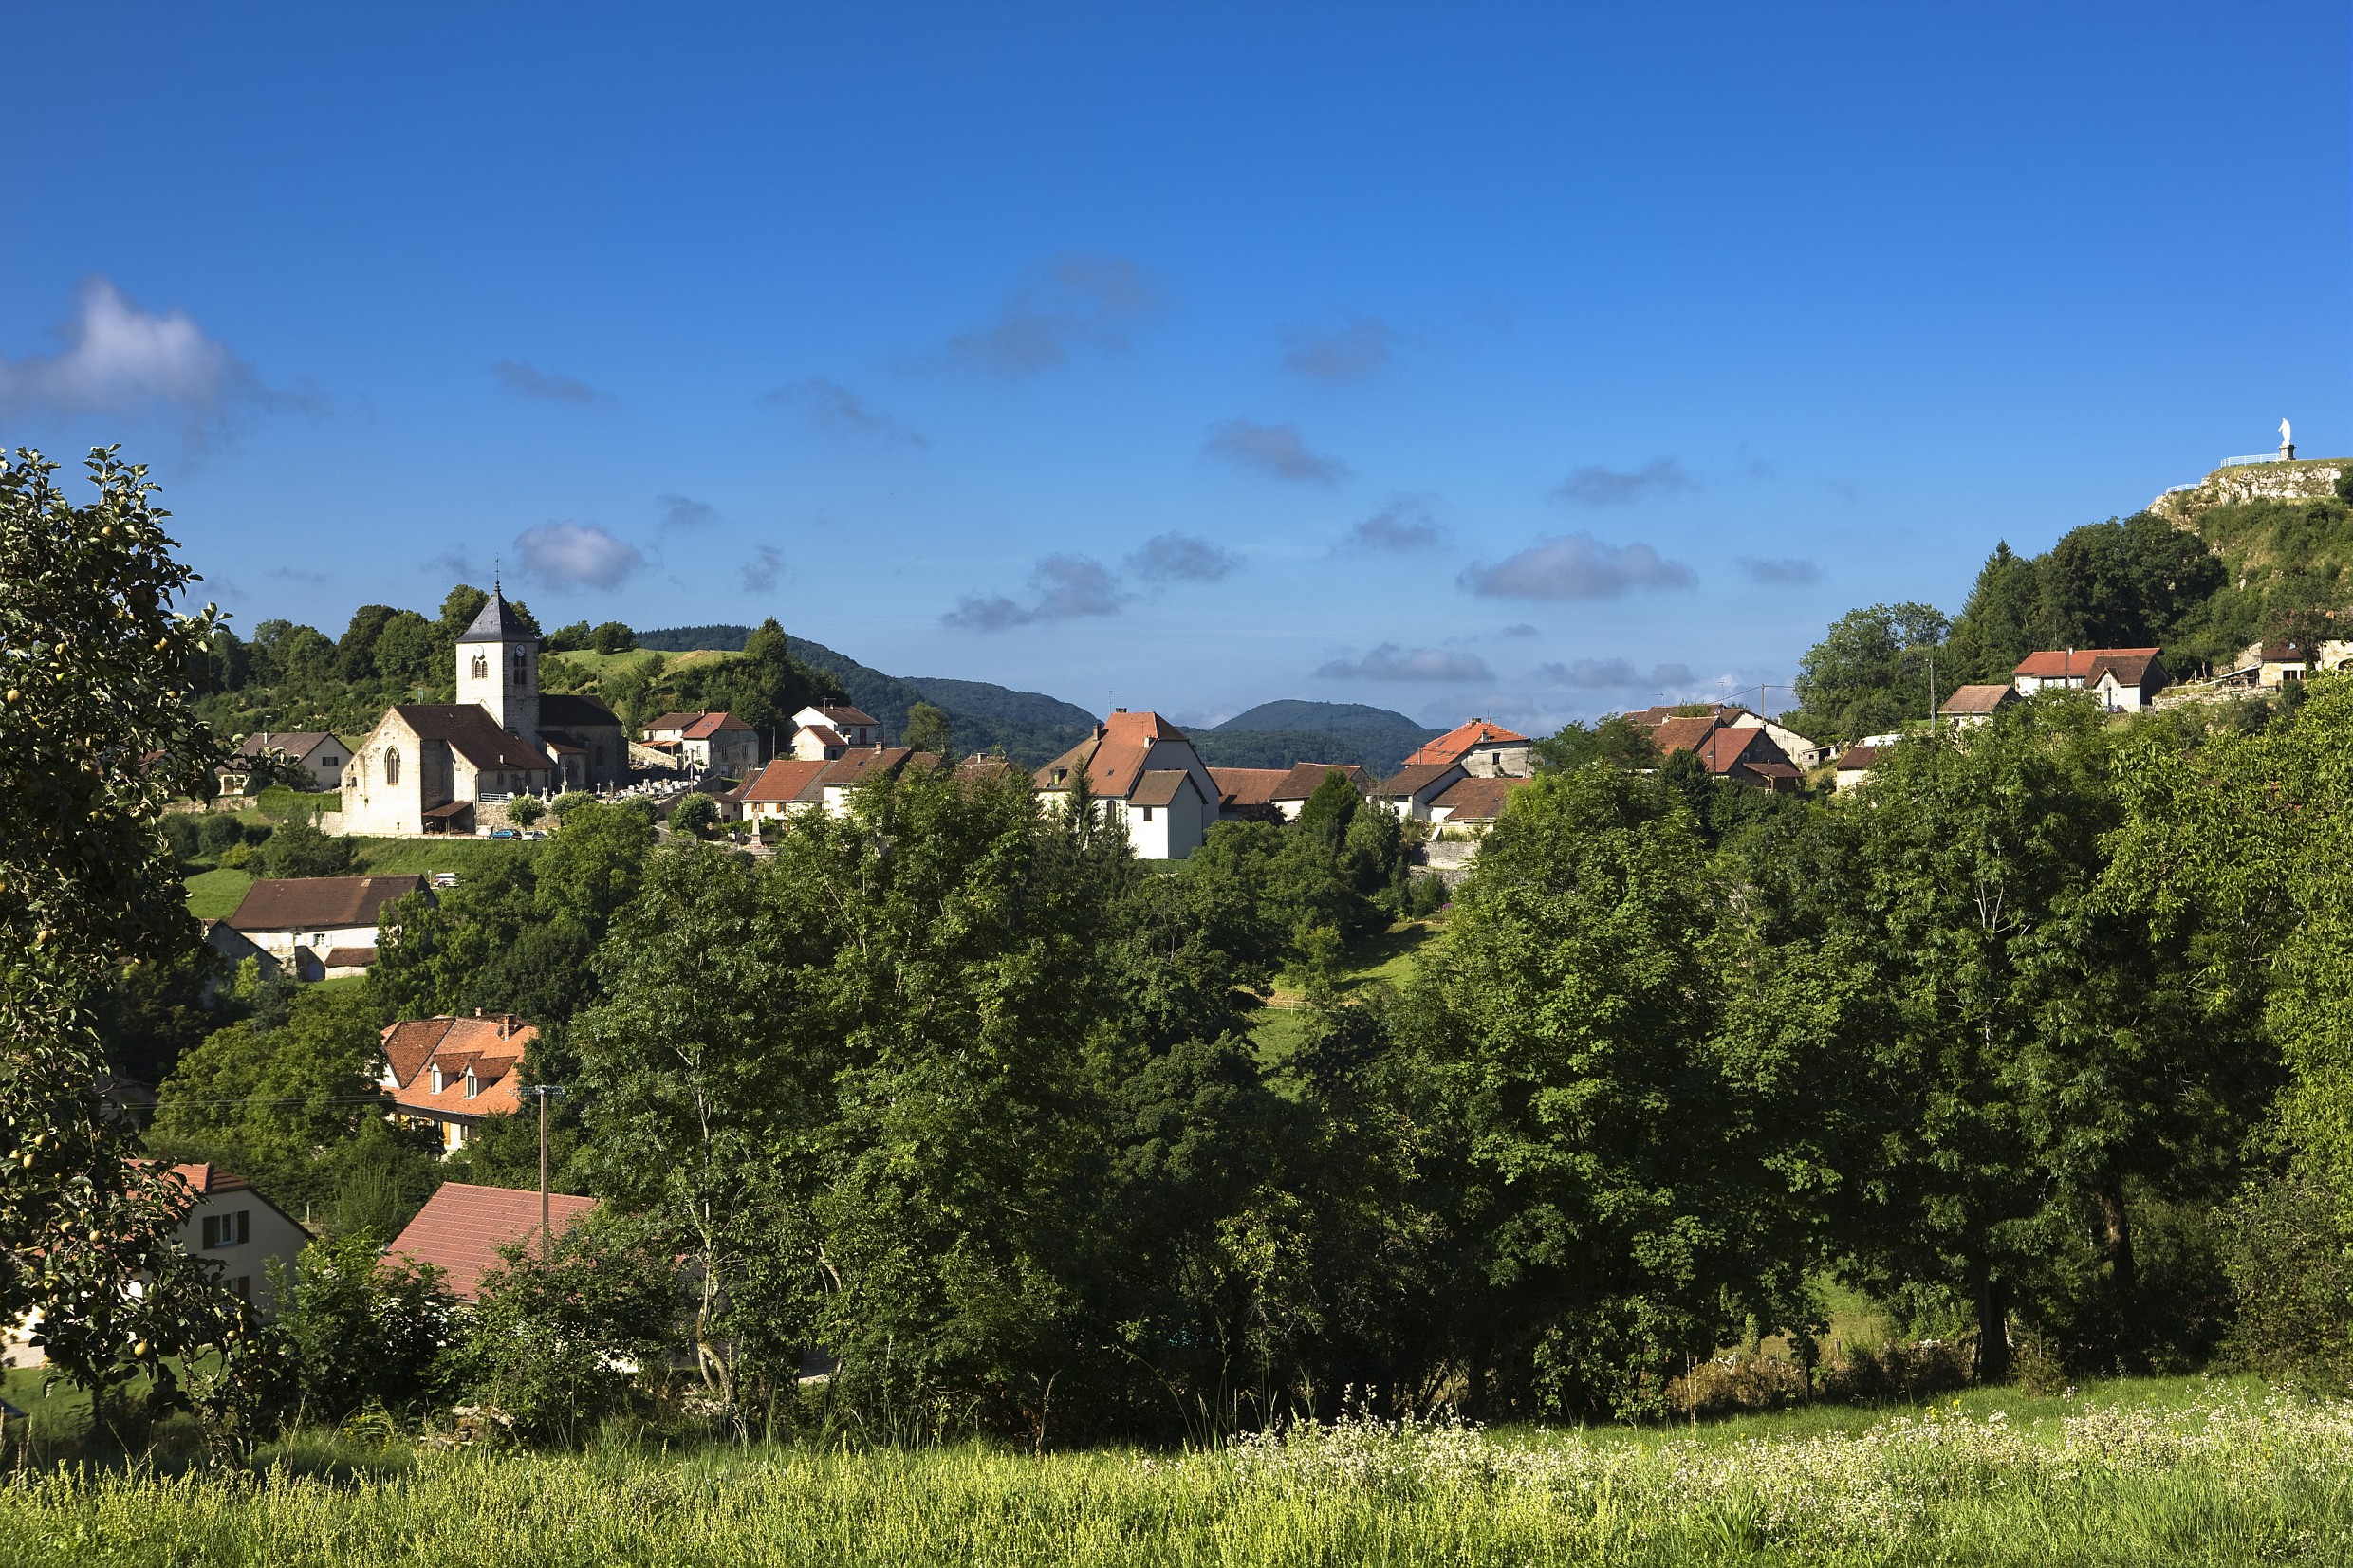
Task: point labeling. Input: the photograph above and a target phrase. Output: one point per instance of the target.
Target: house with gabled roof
(1473, 801)
(462, 1226)
(313, 924)
(791, 785)
(1854, 766)
(1303, 779)
(1972, 705)
(2125, 679)
(425, 766)
(1480, 748)
(451, 1074)
(834, 725)
(317, 755)
(1246, 794)
(1145, 770)
(1414, 790)
(1743, 753)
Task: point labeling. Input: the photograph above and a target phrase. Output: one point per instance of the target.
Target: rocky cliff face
(2252, 482)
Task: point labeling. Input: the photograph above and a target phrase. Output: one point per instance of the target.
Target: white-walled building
(1144, 768)
(320, 926)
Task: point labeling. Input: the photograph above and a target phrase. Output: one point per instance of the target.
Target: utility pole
(547, 1233)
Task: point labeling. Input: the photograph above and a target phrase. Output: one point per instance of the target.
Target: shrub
(185, 834)
(570, 801)
(696, 812)
(218, 830)
(366, 1329)
(299, 849)
(523, 813)
(613, 638)
(2286, 1255)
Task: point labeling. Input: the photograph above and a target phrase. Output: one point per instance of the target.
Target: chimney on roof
(477, 1012)
(1118, 710)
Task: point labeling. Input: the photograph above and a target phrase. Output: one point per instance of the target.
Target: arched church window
(392, 765)
(523, 667)
(481, 668)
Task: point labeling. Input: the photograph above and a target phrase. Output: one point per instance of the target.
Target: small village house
(451, 1074)
(1972, 705)
(1742, 753)
(821, 734)
(1481, 748)
(1854, 766)
(1246, 794)
(1291, 792)
(320, 928)
(1471, 803)
(317, 755)
(234, 1227)
(1145, 770)
(1413, 791)
(462, 1226)
(1795, 749)
(2125, 679)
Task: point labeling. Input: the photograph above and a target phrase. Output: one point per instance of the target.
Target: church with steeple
(425, 766)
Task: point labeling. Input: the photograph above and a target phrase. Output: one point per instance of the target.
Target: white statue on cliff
(2285, 439)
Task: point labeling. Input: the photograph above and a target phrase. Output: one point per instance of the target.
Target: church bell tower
(498, 667)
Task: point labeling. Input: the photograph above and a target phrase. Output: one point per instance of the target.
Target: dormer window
(472, 1087)
(440, 1078)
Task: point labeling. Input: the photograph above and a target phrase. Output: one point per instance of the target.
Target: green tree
(696, 812)
(355, 652)
(366, 1329)
(97, 732)
(928, 729)
(299, 849)
(1567, 1025)
(612, 638)
(1614, 740)
(526, 810)
(1869, 674)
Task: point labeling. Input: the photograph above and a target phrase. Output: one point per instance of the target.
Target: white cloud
(1403, 526)
(120, 360)
(1576, 566)
(1356, 352)
(576, 555)
(1180, 557)
(1609, 674)
(1278, 449)
(1063, 587)
(1596, 486)
(1069, 302)
(545, 386)
(834, 407)
(1391, 662)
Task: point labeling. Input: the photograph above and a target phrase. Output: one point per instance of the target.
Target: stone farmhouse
(451, 1075)
(705, 742)
(320, 928)
(1481, 748)
(426, 765)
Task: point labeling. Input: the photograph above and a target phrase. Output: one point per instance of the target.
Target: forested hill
(2253, 553)
(1276, 734)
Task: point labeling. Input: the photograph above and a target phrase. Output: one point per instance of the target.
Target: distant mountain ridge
(1331, 717)
(1289, 731)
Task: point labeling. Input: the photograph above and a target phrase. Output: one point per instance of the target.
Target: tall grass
(2233, 1478)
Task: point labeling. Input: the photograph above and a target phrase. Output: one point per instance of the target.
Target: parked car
(445, 879)
(505, 833)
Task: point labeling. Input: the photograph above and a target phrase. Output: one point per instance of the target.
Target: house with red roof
(1474, 803)
(1246, 794)
(454, 1074)
(1413, 791)
(1480, 748)
(462, 1226)
(824, 732)
(1743, 753)
(2125, 679)
(1145, 770)
(1795, 746)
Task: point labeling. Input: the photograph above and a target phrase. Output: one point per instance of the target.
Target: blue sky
(1533, 361)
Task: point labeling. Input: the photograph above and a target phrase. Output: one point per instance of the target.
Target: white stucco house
(1145, 769)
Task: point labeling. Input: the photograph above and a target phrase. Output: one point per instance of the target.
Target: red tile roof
(409, 1045)
(2061, 663)
(205, 1179)
(785, 780)
(1477, 800)
(348, 958)
(1451, 746)
(1305, 778)
(711, 724)
(1412, 779)
(825, 734)
(1969, 700)
(670, 721)
(850, 715)
(320, 903)
(1161, 785)
(462, 1226)
(1684, 734)
(1857, 758)
(1247, 787)
(1113, 757)
(2137, 669)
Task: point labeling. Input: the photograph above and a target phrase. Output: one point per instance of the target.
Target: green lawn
(214, 894)
(389, 857)
(2166, 1472)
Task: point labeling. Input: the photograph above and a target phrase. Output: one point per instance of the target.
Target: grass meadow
(2162, 1471)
